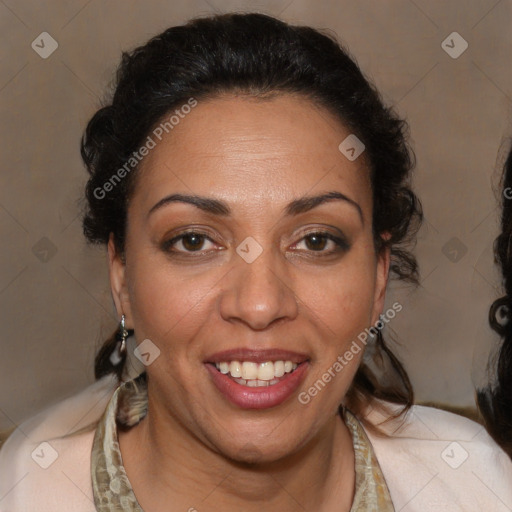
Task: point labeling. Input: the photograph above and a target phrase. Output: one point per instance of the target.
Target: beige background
(54, 297)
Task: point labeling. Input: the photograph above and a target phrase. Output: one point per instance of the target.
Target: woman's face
(266, 278)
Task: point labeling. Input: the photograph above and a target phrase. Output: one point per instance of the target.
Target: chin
(266, 450)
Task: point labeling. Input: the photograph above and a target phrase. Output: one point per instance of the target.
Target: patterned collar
(112, 489)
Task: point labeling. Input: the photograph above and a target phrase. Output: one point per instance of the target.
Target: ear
(118, 283)
(381, 282)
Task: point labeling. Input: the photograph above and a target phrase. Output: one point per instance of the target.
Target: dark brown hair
(495, 401)
(255, 55)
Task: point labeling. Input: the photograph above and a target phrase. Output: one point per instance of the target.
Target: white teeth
(235, 368)
(257, 383)
(278, 368)
(249, 370)
(253, 374)
(266, 371)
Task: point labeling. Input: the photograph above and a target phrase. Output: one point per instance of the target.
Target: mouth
(250, 374)
(257, 379)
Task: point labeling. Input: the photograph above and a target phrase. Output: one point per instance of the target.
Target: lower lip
(262, 397)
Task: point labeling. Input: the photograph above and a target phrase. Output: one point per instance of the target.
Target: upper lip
(257, 355)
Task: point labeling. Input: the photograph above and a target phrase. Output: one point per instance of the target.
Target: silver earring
(123, 334)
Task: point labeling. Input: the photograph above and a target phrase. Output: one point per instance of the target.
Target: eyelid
(324, 231)
(321, 230)
(341, 241)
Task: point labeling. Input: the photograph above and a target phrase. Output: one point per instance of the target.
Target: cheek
(168, 305)
(341, 306)
(342, 300)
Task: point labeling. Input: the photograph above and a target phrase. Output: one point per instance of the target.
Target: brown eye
(317, 242)
(188, 242)
(192, 241)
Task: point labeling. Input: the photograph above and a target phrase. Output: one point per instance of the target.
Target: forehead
(248, 150)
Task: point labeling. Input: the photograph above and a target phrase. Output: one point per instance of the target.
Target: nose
(260, 293)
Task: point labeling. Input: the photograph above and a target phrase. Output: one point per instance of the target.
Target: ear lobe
(118, 286)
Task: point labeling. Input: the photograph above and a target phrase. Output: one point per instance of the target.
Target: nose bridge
(260, 290)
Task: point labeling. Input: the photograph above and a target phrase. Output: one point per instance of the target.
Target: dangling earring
(123, 334)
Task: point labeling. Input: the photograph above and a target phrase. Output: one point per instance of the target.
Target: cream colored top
(434, 461)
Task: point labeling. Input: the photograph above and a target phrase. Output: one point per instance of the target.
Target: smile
(257, 379)
(250, 374)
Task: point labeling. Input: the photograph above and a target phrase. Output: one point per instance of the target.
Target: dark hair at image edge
(258, 56)
(495, 401)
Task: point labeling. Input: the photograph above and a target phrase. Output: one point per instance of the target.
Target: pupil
(315, 239)
(192, 241)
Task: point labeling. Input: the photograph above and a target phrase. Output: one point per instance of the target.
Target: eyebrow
(218, 207)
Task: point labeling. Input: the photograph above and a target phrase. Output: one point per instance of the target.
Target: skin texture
(195, 448)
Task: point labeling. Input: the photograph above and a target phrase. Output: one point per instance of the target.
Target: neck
(319, 476)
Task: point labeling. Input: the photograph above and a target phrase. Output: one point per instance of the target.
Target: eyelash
(341, 243)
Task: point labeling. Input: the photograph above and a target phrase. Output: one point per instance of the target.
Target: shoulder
(432, 457)
(44, 468)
